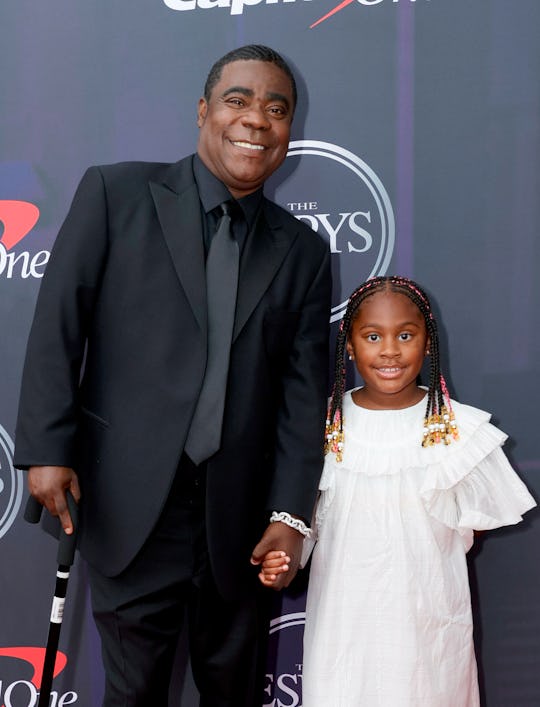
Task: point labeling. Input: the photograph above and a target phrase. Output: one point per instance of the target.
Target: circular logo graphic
(284, 675)
(11, 484)
(344, 201)
(287, 621)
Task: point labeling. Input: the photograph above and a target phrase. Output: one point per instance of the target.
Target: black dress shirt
(212, 193)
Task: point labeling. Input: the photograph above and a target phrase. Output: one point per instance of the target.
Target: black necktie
(204, 435)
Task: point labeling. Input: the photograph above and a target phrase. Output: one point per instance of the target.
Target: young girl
(408, 475)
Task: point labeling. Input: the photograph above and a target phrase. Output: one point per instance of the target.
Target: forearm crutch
(66, 553)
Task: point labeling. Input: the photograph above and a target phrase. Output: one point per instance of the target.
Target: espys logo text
(25, 693)
(283, 686)
(17, 219)
(345, 201)
(236, 7)
(11, 484)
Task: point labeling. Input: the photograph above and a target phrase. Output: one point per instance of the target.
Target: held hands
(278, 553)
(274, 564)
(48, 485)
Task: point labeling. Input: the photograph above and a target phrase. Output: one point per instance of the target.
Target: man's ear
(201, 112)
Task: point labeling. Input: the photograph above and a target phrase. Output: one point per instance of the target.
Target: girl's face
(388, 341)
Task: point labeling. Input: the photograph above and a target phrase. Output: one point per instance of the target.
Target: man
(125, 352)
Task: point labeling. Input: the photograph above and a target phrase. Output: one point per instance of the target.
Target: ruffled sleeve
(473, 486)
(492, 495)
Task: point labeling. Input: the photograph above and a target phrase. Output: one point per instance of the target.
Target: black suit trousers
(140, 614)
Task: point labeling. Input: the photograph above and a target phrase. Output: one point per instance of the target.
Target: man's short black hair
(250, 52)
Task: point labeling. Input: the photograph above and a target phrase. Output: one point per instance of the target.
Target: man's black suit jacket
(124, 300)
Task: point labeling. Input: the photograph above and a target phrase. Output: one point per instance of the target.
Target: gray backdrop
(415, 150)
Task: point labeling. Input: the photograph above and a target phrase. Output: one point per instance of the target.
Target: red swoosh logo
(337, 8)
(35, 656)
(18, 219)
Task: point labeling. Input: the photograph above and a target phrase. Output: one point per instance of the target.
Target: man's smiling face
(245, 126)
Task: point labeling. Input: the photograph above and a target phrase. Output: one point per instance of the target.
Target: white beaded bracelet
(296, 523)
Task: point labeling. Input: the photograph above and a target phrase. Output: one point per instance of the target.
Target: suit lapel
(265, 251)
(179, 212)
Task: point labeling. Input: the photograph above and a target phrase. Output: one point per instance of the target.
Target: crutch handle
(32, 510)
(67, 543)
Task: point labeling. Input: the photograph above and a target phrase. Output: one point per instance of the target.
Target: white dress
(388, 615)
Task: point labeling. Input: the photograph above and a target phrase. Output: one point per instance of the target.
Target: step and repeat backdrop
(415, 150)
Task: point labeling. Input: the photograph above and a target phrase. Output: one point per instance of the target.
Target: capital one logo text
(25, 693)
(17, 219)
(236, 7)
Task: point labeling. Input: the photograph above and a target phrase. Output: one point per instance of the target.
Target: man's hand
(279, 536)
(48, 485)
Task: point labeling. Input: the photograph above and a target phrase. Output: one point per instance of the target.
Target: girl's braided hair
(439, 422)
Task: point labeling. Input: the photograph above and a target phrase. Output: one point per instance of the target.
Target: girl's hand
(274, 563)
